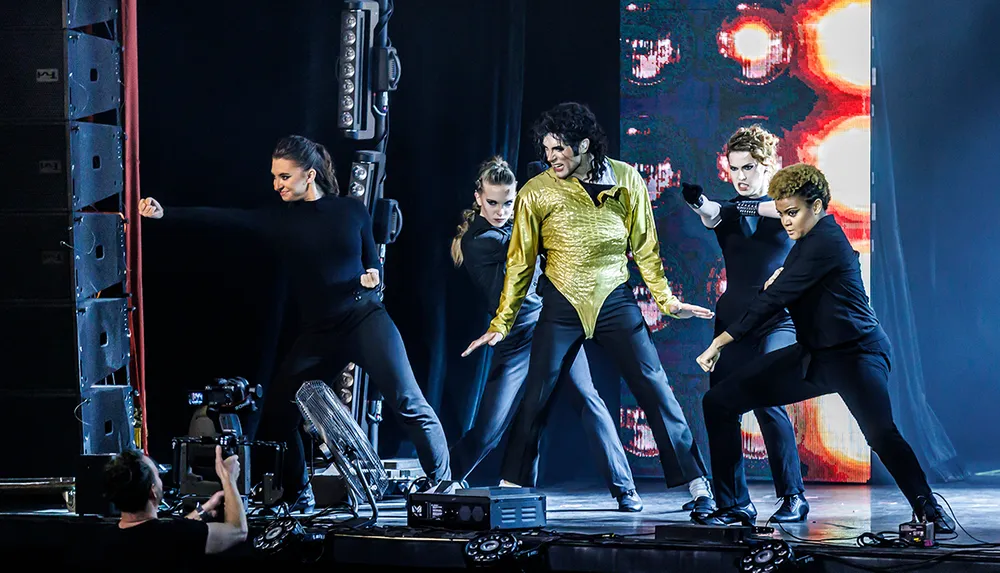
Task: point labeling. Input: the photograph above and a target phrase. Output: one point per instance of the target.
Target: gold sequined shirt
(585, 244)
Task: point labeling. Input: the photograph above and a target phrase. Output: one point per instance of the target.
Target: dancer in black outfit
(326, 242)
(841, 349)
(754, 244)
(481, 245)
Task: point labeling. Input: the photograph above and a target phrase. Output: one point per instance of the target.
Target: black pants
(505, 388)
(365, 335)
(622, 331)
(775, 426)
(859, 373)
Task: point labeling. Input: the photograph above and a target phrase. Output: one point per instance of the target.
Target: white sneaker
(505, 483)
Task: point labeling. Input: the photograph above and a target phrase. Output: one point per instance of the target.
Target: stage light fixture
(364, 175)
(768, 557)
(357, 37)
(490, 548)
(344, 386)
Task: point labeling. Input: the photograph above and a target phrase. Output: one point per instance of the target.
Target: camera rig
(216, 422)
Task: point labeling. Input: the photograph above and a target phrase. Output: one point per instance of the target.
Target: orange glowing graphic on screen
(659, 176)
(647, 305)
(825, 432)
(717, 283)
(649, 57)
(837, 36)
(639, 436)
(633, 7)
(759, 40)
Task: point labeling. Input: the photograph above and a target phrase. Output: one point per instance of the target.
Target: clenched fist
(149, 207)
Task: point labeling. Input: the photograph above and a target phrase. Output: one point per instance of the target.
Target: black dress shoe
(702, 508)
(629, 501)
(738, 515)
(932, 511)
(793, 509)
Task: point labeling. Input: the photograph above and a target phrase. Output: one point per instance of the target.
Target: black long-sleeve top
(484, 249)
(753, 248)
(822, 289)
(326, 246)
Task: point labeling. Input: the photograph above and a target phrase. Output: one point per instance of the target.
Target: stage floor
(585, 532)
(836, 511)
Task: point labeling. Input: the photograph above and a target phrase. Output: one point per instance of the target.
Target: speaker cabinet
(57, 75)
(62, 166)
(45, 431)
(61, 257)
(62, 346)
(56, 14)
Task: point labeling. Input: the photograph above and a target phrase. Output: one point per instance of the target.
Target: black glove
(692, 194)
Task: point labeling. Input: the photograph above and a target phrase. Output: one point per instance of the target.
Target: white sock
(505, 483)
(699, 488)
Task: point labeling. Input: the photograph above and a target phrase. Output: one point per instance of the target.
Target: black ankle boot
(793, 509)
(933, 512)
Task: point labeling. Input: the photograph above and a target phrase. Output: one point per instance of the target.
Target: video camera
(230, 394)
(216, 422)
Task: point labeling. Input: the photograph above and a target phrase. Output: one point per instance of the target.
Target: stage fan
(342, 441)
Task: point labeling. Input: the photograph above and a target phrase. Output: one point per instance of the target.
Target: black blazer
(822, 289)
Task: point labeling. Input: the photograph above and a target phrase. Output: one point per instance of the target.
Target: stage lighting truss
(357, 36)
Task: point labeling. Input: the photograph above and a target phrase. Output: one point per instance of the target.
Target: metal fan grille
(335, 427)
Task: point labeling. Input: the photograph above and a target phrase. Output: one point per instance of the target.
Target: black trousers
(367, 336)
(775, 426)
(858, 372)
(505, 388)
(623, 332)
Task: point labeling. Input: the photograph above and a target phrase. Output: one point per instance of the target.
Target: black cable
(891, 540)
(962, 527)
(825, 541)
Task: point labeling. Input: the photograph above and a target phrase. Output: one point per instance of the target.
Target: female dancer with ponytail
(481, 245)
(333, 266)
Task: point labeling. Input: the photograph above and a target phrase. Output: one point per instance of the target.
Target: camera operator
(133, 484)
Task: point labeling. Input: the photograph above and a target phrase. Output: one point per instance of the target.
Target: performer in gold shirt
(585, 213)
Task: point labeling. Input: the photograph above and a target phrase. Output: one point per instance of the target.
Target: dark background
(221, 82)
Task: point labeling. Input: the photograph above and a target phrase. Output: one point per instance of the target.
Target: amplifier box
(918, 534)
(478, 509)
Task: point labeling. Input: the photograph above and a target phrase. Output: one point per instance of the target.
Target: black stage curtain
(935, 129)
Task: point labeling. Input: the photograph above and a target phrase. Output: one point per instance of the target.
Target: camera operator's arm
(222, 536)
(208, 508)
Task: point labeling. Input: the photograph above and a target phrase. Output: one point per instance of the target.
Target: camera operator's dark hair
(309, 155)
(572, 122)
(127, 481)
